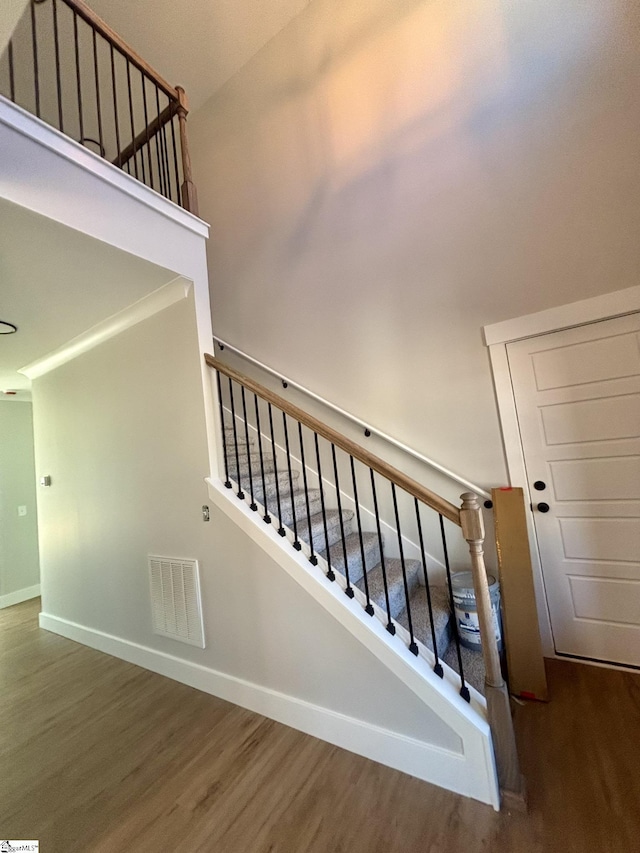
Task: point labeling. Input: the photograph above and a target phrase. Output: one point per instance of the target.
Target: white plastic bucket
(466, 612)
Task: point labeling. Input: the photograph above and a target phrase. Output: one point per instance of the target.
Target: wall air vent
(175, 599)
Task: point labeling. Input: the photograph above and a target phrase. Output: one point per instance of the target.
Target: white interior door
(578, 401)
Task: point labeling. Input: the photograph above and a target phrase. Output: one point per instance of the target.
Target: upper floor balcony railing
(69, 68)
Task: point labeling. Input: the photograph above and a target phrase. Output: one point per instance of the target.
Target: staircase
(358, 559)
(330, 500)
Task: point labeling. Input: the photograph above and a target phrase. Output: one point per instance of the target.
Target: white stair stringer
(471, 771)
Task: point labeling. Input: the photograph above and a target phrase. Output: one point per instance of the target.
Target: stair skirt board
(469, 772)
(411, 548)
(441, 695)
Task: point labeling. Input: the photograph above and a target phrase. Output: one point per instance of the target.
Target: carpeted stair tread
(254, 456)
(299, 504)
(395, 583)
(334, 529)
(256, 473)
(421, 620)
(472, 664)
(371, 547)
(270, 484)
(240, 438)
(283, 509)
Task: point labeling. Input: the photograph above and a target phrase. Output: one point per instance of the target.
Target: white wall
(121, 432)
(19, 564)
(384, 178)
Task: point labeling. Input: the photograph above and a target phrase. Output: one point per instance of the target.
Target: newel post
(498, 706)
(189, 195)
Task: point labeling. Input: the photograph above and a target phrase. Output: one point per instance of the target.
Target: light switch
(22, 510)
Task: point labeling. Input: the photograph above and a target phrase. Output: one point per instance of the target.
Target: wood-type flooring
(100, 756)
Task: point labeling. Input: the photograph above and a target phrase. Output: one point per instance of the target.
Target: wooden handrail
(147, 134)
(365, 425)
(113, 38)
(431, 499)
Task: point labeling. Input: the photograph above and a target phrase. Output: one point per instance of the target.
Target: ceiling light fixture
(7, 328)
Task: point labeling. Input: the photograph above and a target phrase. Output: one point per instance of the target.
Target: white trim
(592, 310)
(19, 596)
(26, 124)
(354, 419)
(451, 770)
(497, 336)
(144, 308)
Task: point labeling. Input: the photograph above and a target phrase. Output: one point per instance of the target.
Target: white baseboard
(431, 763)
(19, 596)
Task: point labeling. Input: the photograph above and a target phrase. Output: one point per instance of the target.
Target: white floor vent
(175, 599)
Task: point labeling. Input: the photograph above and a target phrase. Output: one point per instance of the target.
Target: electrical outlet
(22, 510)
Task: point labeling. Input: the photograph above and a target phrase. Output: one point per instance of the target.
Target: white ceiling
(56, 283)
(197, 44)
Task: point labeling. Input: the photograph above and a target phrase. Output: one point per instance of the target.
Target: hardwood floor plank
(99, 755)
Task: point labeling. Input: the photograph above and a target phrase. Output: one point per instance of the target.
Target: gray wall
(385, 178)
(19, 565)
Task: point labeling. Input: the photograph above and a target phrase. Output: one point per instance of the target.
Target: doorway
(577, 400)
(19, 559)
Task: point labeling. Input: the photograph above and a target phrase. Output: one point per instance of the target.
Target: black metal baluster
(281, 530)
(266, 517)
(175, 158)
(253, 505)
(115, 101)
(464, 690)
(146, 128)
(78, 83)
(161, 177)
(312, 556)
(235, 439)
(391, 628)
(296, 542)
(98, 107)
(36, 74)
(413, 646)
(369, 608)
(349, 588)
(227, 481)
(56, 44)
(330, 573)
(133, 132)
(12, 79)
(142, 166)
(437, 666)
